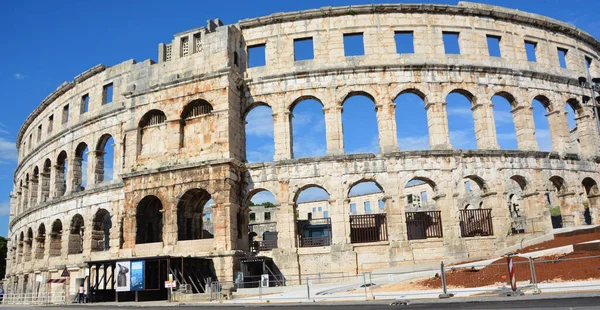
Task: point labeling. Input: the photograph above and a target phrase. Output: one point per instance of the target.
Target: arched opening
(28, 244)
(368, 220)
(26, 193)
(35, 177)
(46, 181)
(359, 123)
(80, 163)
(423, 219)
(60, 174)
(261, 215)
(76, 235)
(149, 219)
(105, 159)
(101, 231)
(411, 121)
(515, 187)
(308, 128)
(152, 133)
(461, 123)
(260, 142)
(593, 199)
(56, 239)
(194, 129)
(40, 241)
(193, 215)
(476, 217)
(20, 246)
(505, 126)
(574, 110)
(312, 230)
(555, 198)
(540, 108)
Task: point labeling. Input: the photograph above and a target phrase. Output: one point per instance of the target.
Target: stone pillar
(437, 121)
(568, 208)
(286, 226)
(524, 128)
(282, 134)
(45, 186)
(334, 130)
(75, 175)
(485, 128)
(587, 133)
(95, 167)
(386, 123)
(24, 197)
(396, 221)
(559, 131)
(340, 220)
(170, 233)
(594, 205)
(33, 201)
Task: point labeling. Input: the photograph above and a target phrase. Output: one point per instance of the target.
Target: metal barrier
(53, 298)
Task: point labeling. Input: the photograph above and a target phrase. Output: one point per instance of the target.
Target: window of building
(562, 57)
(185, 46)
(423, 196)
(467, 186)
(30, 137)
(303, 49)
(85, 103)
(326, 214)
(354, 44)
(39, 133)
(267, 216)
(107, 93)
(493, 44)
(252, 217)
(197, 43)
(65, 114)
(314, 210)
(588, 64)
(320, 209)
(409, 198)
(404, 42)
(451, 46)
(257, 56)
(381, 204)
(50, 122)
(352, 208)
(367, 206)
(530, 48)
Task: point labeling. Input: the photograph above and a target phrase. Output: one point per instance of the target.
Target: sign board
(170, 277)
(65, 273)
(56, 281)
(137, 276)
(123, 276)
(264, 280)
(38, 278)
(170, 284)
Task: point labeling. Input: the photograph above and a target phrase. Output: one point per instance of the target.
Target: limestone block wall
(178, 126)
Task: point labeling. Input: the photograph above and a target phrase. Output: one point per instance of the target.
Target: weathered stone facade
(178, 127)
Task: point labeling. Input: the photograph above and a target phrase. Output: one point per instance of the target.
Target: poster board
(123, 275)
(137, 275)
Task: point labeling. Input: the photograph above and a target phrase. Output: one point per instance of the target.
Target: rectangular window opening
(65, 114)
(367, 207)
(107, 93)
(588, 64)
(352, 208)
(493, 43)
(326, 214)
(267, 216)
(39, 133)
(85, 103)
(423, 196)
(467, 186)
(451, 46)
(562, 57)
(381, 204)
(404, 42)
(354, 44)
(252, 217)
(50, 122)
(530, 48)
(303, 49)
(257, 56)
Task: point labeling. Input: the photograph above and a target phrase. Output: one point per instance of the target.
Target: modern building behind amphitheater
(178, 127)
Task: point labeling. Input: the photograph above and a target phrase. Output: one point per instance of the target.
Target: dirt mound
(561, 241)
(548, 268)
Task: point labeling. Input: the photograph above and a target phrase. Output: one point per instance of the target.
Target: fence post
(308, 287)
(444, 288)
(536, 289)
(365, 285)
(260, 290)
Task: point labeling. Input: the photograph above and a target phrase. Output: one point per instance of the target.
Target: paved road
(542, 302)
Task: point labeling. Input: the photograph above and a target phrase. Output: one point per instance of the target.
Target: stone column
(386, 123)
(95, 167)
(286, 226)
(334, 130)
(587, 133)
(485, 128)
(24, 197)
(45, 187)
(75, 175)
(35, 192)
(568, 208)
(437, 121)
(282, 134)
(559, 131)
(340, 220)
(524, 128)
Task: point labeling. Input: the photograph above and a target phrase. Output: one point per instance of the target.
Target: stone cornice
(463, 8)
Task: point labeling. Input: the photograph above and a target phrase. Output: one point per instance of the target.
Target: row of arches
(29, 246)
(51, 181)
(517, 125)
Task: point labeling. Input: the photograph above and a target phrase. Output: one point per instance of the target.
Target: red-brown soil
(555, 270)
(561, 241)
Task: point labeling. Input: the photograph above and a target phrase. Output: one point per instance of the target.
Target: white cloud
(414, 143)
(4, 208)
(506, 136)
(19, 76)
(463, 139)
(260, 122)
(543, 139)
(373, 147)
(312, 194)
(503, 117)
(460, 112)
(263, 153)
(8, 151)
(262, 197)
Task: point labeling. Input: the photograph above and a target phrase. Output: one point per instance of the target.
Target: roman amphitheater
(180, 194)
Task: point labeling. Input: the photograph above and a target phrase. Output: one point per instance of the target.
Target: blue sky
(47, 42)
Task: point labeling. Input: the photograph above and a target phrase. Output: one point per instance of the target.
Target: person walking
(81, 293)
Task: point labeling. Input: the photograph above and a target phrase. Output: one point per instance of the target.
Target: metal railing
(368, 228)
(423, 225)
(476, 222)
(315, 241)
(42, 298)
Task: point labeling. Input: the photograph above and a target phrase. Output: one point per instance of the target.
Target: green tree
(3, 251)
(268, 204)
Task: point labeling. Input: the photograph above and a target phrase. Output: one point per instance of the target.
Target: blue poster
(137, 275)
